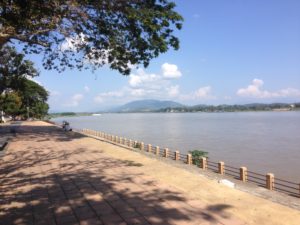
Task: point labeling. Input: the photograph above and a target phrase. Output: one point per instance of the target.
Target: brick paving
(49, 177)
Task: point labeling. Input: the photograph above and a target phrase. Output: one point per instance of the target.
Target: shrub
(196, 155)
(137, 145)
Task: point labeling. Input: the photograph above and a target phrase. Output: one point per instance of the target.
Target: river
(261, 141)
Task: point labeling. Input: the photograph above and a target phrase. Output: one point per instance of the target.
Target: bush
(196, 155)
(137, 145)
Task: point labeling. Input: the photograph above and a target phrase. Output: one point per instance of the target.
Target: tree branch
(30, 41)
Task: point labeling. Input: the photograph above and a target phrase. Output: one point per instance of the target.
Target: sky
(231, 52)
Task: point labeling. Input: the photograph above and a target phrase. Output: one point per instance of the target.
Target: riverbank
(45, 163)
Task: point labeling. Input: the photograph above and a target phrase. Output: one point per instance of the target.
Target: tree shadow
(83, 186)
(220, 209)
(40, 133)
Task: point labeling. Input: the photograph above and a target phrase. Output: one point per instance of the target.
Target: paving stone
(50, 177)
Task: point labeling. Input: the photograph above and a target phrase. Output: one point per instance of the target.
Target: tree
(16, 90)
(28, 99)
(10, 103)
(90, 33)
(13, 68)
(34, 98)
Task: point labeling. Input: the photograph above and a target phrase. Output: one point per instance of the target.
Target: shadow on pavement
(75, 185)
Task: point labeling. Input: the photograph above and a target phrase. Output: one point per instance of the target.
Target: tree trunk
(3, 41)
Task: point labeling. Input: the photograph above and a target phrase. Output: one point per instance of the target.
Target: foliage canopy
(89, 33)
(17, 91)
(13, 68)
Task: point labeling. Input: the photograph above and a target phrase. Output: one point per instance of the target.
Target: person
(66, 126)
(2, 119)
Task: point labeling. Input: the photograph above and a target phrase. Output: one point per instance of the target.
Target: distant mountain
(147, 106)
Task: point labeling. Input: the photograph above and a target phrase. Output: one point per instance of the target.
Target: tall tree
(28, 99)
(13, 68)
(10, 103)
(34, 99)
(19, 94)
(91, 33)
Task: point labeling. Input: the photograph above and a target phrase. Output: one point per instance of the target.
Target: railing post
(166, 153)
(142, 146)
(221, 166)
(270, 181)
(117, 139)
(243, 174)
(121, 140)
(157, 150)
(189, 159)
(177, 156)
(130, 143)
(135, 144)
(149, 148)
(203, 163)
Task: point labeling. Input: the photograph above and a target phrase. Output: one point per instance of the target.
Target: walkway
(49, 178)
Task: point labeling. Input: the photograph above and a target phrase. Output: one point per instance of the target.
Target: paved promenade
(48, 176)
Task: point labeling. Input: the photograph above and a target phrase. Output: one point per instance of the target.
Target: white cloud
(137, 92)
(173, 91)
(102, 97)
(170, 71)
(75, 100)
(98, 99)
(113, 94)
(71, 42)
(255, 90)
(202, 93)
(86, 88)
(141, 79)
(151, 85)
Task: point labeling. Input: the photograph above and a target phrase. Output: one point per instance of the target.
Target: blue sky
(233, 51)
